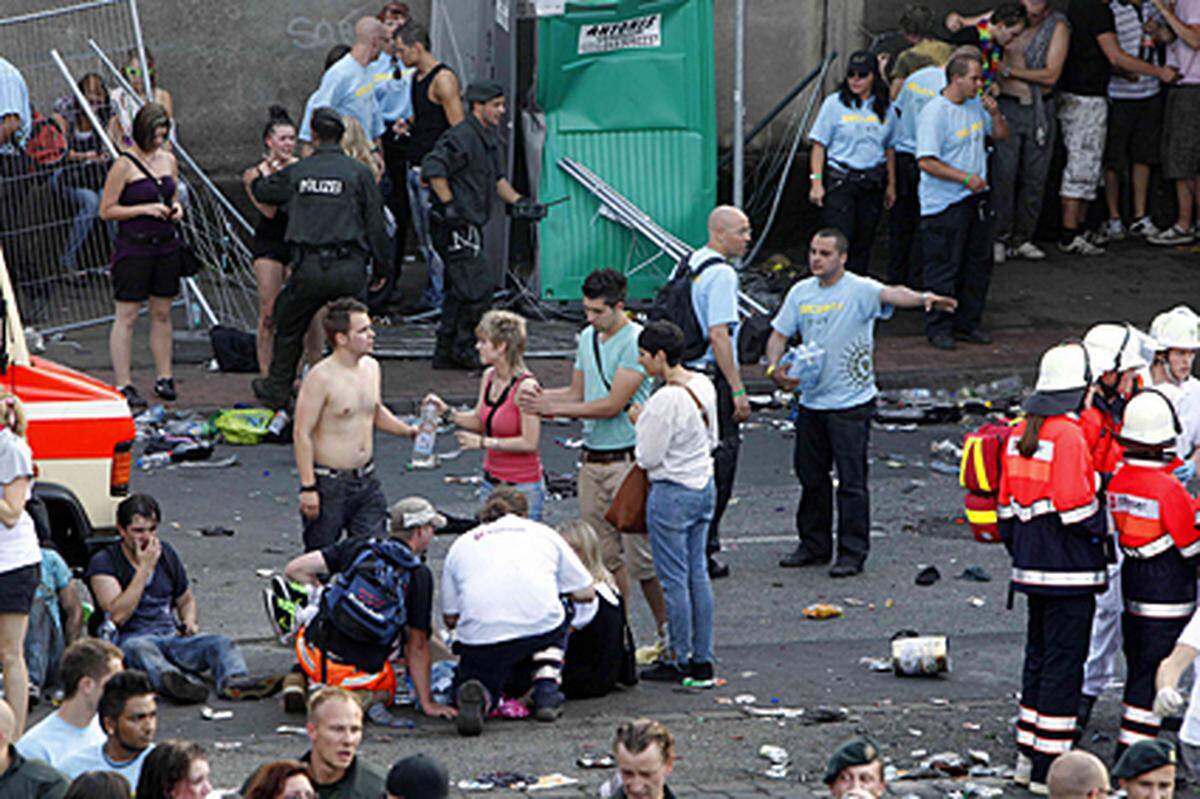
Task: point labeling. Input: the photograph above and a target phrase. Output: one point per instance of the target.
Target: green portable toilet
(628, 90)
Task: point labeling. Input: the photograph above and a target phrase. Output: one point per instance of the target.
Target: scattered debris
(219, 463)
(876, 664)
(745, 699)
(928, 576)
(976, 574)
(823, 714)
(943, 468)
(379, 714)
(976, 601)
(822, 611)
(776, 754)
(593, 760)
(227, 746)
(549, 781)
(464, 480)
(775, 711)
(216, 531)
(919, 656)
(208, 713)
(266, 574)
(980, 757)
(290, 729)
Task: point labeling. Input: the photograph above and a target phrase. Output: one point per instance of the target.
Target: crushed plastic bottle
(153, 460)
(423, 456)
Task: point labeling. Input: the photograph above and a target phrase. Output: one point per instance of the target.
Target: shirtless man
(337, 412)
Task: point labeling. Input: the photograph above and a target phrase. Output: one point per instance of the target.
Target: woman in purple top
(145, 266)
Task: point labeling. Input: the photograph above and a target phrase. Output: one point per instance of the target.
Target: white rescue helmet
(1064, 374)
(1120, 346)
(1150, 419)
(1178, 328)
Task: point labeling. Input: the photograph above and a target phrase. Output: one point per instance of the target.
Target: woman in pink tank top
(508, 436)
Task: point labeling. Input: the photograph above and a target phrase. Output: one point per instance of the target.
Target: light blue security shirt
(953, 133)
(841, 320)
(853, 136)
(919, 88)
(393, 95)
(618, 351)
(348, 88)
(14, 99)
(53, 740)
(92, 758)
(714, 299)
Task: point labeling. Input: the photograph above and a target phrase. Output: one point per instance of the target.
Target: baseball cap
(414, 512)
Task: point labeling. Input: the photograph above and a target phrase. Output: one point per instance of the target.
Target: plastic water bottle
(278, 424)
(422, 455)
(153, 460)
(107, 631)
(194, 314)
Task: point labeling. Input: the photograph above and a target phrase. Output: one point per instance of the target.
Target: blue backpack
(365, 605)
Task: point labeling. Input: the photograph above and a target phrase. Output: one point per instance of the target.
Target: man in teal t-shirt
(606, 381)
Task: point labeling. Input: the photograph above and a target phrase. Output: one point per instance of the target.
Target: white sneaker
(1112, 230)
(1028, 251)
(1144, 228)
(1172, 236)
(999, 252)
(1039, 789)
(1080, 246)
(1023, 771)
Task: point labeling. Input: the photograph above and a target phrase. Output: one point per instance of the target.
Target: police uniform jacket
(1049, 515)
(331, 200)
(1155, 519)
(468, 156)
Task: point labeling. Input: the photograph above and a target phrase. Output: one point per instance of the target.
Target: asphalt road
(765, 646)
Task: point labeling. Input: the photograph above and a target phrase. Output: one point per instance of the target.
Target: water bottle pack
(804, 363)
(422, 454)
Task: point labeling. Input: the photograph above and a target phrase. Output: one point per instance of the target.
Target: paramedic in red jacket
(1051, 522)
(1155, 520)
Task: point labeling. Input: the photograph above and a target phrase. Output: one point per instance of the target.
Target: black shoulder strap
(695, 399)
(487, 423)
(145, 170)
(714, 260)
(599, 361)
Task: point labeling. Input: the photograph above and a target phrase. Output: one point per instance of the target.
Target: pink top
(505, 422)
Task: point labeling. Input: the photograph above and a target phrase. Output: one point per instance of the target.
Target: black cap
(324, 121)
(1144, 756)
(861, 61)
(418, 777)
(857, 751)
(483, 90)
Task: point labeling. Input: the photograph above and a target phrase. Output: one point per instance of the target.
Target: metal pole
(739, 105)
(141, 48)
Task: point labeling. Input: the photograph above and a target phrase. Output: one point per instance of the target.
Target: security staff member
(1156, 527)
(464, 169)
(335, 223)
(1052, 525)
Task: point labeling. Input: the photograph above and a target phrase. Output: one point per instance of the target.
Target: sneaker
(182, 689)
(1080, 245)
(1027, 251)
(247, 687)
(1023, 771)
(164, 388)
(1110, 231)
(1039, 789)
(663, 672)
(472, 699)
(281, 603)
(942, 341)
(278, 620)
(547, 713)
(700, 675)
(1172, 237)
(1144, 228)
(999, 252)
(132, 398)
(295, 694)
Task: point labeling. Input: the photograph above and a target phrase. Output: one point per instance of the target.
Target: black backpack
(673, 303)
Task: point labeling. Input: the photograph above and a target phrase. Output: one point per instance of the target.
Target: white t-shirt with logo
(503, 580)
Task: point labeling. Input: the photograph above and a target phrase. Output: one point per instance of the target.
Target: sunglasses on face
(859, 74)
(136, 72)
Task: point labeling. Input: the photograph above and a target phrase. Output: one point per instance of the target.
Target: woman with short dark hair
(139, 195)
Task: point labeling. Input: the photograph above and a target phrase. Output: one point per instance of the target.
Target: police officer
(335, 224)
(1156, 526)
(1051, 522)
(464, 170)
(855, 770)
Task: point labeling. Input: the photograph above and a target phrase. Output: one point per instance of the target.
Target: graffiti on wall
(307, 33)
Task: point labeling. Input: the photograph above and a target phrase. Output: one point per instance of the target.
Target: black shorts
(1134, 132)
(274, 249)
(136, 278)
(17, 588)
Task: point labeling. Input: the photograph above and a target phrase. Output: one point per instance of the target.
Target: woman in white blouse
(676, 434)
(20, 556)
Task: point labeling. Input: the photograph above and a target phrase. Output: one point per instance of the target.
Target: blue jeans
(534, 492)
(158, 654)
(678, 519)
(420, 201)
(87, 209)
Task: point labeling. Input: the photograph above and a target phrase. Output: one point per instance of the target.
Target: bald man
(21, 777)
(348, 86)
(1076, 775)
(715, 302)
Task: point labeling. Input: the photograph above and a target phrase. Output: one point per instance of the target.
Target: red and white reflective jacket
(1050, 517)
(1155, 519)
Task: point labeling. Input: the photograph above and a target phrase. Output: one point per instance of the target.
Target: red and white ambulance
(81, 434)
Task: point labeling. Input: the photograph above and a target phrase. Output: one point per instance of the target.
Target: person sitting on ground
(55, 622)
(600, 643)
(85, 165)
(86, 668)
(501, 585)
(418, 777)
(1147, 770)
(645, 753)
(20, 777)
(141, 584)
(335, 729)
(175, 770)
(129, 715)
(283, 779)
(1077, 775)
(361, 665)
(856, 770)
(99, 785)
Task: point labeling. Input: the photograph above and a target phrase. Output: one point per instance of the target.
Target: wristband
(815, 176)
(770, 369)
(967, 180)
(741, 392)
(304, 489)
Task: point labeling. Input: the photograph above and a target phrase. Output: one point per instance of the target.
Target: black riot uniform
(468, 157)
(335, 225)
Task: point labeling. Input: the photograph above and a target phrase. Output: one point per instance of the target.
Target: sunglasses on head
(858, 73)
(136, 72)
